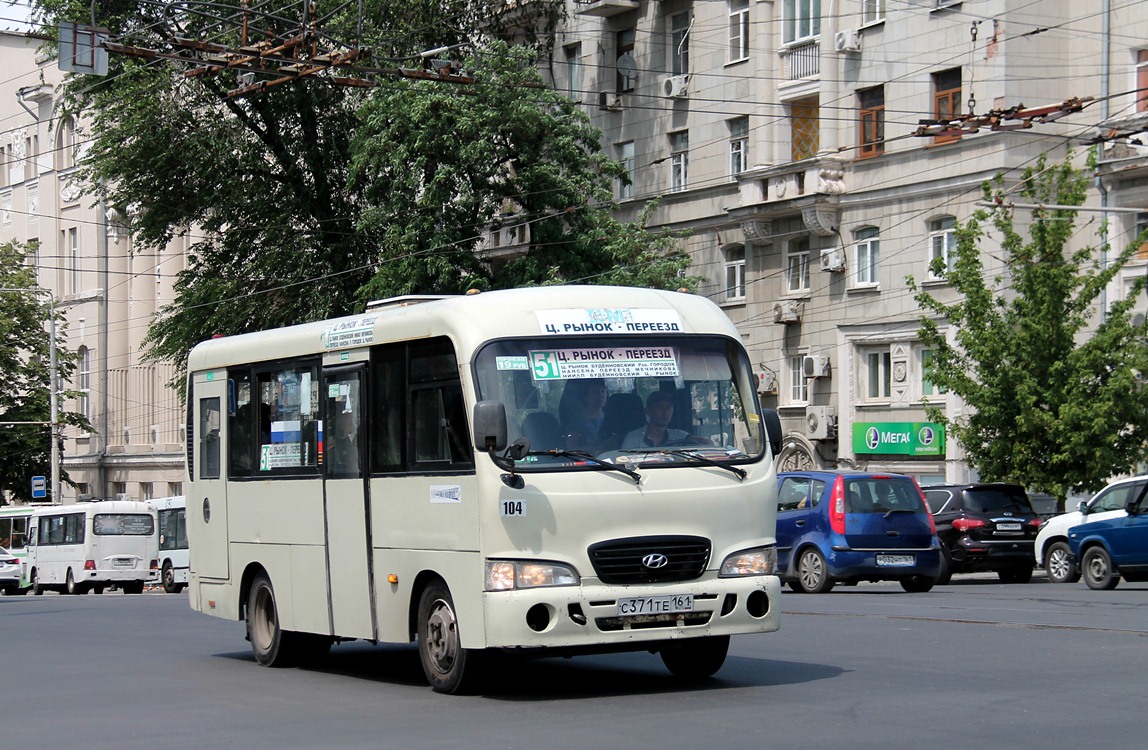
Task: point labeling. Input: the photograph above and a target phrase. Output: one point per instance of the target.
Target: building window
(66, 144)
(6, 209)
(174, 489)
(872, 123)
(70, 247)
(947, 100)
(735, 274)
(84, 381)
(872, 11)
(1141, 228)
(627, 67)
(802, 20)
(877, 379)
(626, 157)
(574, 71)
(928, 388)
(942, 247)
(866, 256)
(738, 145)
(1142, 80)
(798, 385)
(797, 266)
(680, 44)
(805, 127)
(738, 30)
(679, 160)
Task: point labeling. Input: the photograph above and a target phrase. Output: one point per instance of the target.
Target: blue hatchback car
(1113, 548)
(850, 526)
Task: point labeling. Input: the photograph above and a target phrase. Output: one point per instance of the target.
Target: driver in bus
(581, 413)
(657, 431)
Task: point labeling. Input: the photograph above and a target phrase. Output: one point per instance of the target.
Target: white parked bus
(174, 557)
(90, 546)
(476, 473)
(14, 521)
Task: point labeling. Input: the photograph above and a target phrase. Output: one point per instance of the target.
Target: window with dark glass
(872, 121)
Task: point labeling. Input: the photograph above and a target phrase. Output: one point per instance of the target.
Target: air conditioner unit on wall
(766, 382)
(847, 40)
(815, 366)
(674, 87)
(820, 424)
(787, 311)
(832, 259)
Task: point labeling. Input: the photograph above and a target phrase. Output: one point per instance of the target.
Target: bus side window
(209, 438)
(440, 428)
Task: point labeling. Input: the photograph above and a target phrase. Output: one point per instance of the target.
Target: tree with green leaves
(25, 364)
(307, 199)
(1054, 387)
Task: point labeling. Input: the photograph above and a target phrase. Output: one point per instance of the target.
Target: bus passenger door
(207, 502)
(346, 504)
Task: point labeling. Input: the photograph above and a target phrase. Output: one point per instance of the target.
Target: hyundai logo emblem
(655, 561)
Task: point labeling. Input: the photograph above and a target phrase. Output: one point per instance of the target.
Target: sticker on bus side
(609, 320)
(625, 362)
(356, 332)
(446, 493)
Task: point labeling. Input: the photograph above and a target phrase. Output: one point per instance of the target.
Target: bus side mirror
(772, 430)
(489, 425)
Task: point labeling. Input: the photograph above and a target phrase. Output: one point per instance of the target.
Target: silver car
(9, 572)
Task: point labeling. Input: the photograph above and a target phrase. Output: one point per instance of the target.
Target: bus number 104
(513, 508)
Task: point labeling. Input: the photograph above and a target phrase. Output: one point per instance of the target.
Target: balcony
(809, 187)
(603, 8)
(801, 60)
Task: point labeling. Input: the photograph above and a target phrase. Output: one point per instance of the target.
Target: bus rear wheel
(72, 588)
(449, 667)
(272, 645)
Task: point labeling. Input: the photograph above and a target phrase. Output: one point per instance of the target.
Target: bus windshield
(650, 400)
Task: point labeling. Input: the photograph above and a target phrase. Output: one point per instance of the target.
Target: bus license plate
(895, 561)
(656, 605)
(123, 562)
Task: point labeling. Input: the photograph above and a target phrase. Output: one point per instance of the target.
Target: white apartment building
(779, 133)
(109, 291)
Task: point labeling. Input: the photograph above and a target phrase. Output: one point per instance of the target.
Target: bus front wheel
(168, 575)
(449, 667)
(696, 658)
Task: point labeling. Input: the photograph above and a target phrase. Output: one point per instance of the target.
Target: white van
(77, 548)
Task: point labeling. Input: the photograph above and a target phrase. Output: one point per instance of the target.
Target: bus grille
(621, 560)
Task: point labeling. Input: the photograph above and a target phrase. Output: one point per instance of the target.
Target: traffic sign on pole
(39, 488)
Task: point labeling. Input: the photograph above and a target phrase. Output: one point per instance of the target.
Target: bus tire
(449, 668)
(695, 658)
(270, 644)
(71, 587)
(37, 589)
(168, 577)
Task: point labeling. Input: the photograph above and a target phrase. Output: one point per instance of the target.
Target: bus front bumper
(595, 615)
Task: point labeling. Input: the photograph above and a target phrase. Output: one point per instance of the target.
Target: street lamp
(53, 374)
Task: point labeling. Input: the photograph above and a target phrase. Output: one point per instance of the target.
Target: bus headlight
(507, 575)
(760, 561)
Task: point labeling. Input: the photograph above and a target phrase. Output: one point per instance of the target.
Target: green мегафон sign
(903, 438)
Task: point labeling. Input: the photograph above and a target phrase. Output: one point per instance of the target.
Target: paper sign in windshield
(623, 362)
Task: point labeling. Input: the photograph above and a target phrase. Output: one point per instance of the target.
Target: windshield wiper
(899, 510)
(736, 470)
(583, 455)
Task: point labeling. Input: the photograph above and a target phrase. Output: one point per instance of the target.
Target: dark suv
(984, 527)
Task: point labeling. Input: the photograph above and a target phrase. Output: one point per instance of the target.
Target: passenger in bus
(344, 447)
(580, 413)
(657, 431)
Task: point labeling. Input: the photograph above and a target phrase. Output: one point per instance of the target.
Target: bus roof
(471, 319)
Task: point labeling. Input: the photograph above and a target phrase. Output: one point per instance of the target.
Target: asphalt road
(974, 664)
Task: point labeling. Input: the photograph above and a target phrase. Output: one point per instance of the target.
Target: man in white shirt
(657, 432)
